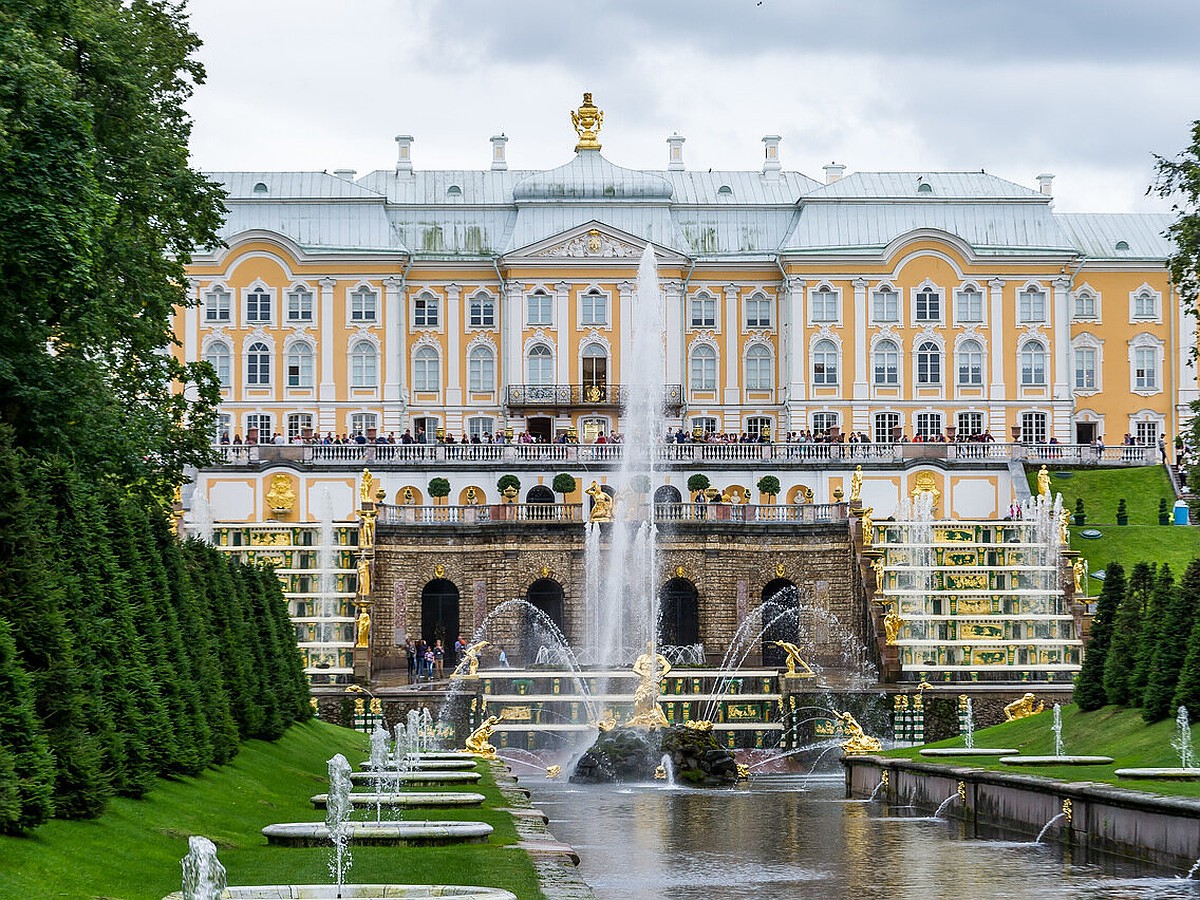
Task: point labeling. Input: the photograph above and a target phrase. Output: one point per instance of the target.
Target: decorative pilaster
(563, 356)
(792, 314)
(673, 290)
(395, 355)
(327, 388)
(625, 292)
(1064, 400)
(733, 359)
(860, 338)
(511, 320)
(997, 392)
(454, 356)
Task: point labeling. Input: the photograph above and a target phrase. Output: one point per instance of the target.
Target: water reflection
(777, 841)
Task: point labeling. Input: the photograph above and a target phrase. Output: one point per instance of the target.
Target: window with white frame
(364, 305)
(218, 357)
(216, 305)
(823, 421)
(1145, 432)
(300, 305)
(929, 425)
(1085, 305)
(593, 308)
(758, 311)
(224, 427)
(1145, 304)
(1145, 368)
(928, 305)
(481, 311)
(704, 310)
(759, 368)
(426, 311)
(970, 364)
(1032, 363)
(481, 369)
(1087, 367)
(478, 426)
(704, 424)
(258, 306)
(258, 364)
(758, 426)
(703, 367)
(364, 365)
(886, 364)
(968, 304)
(539, 308)
(262, 423)
(885, 305)
(426, 370)
(929, 363)
(824, 304)
(825, 363)
(297, 424)
(1031, 305)
(300, 365)
(539, 365)
(363, 423)
(885, 427)
(1034, 428)
(970, 424)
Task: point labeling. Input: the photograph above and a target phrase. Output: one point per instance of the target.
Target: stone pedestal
(362, 665)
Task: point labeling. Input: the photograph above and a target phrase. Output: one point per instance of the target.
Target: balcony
(577, 396)
(573, 513)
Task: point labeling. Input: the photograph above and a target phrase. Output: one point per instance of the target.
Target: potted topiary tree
(1080, 516)
(1164, 514)
(509, 486)
(439, 489)
(769, 485)
(563, 484)
(1122, 513)
(697, 483)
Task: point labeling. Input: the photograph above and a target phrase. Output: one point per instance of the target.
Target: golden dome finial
(587, 121)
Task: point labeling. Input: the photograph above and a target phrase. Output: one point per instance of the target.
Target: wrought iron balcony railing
(580, 395)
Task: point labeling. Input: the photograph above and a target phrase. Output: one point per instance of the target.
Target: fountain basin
(431, 765)
(442, 754)
(1057, 760)
(361, 892)
(1161, 774)
(380, 834)
(417, 777)
(426, 799)
(969, 751)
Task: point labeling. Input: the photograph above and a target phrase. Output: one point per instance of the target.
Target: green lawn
(1132, 544)
(1111, 731)
(133, 851)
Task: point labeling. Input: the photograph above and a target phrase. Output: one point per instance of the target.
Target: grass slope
(1110, 731)
(133, 851)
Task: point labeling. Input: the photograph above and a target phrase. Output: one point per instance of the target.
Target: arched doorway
(545, 595)
(439, 616)
(679, 613)
(781, 620)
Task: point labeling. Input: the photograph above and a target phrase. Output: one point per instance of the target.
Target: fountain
(969, 748)
(203, 874)
(1182, 743)
(1060, 757)
(337, 818)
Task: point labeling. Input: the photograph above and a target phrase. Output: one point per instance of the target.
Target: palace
(933, 326)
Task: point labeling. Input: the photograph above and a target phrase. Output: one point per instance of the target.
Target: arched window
(363, 365)
(1033, 364)
(218, 357)
(825, 362)
(258, 364)
(759, 370)
(704, 368)
(887, 364)
(426, 370)
(595, 365)
(970, 364)
(300, 365)
(481, 369)
(929, 363)
(539, 365)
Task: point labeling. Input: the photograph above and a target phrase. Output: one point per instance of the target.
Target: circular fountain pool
(380, 834)
(361, 892)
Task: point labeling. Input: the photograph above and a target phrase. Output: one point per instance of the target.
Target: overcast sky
(1086, 91)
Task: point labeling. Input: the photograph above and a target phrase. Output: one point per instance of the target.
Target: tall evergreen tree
(1089, 686)
(1120, 664)
(1178, 605)
(1187, 690)
(26, 765)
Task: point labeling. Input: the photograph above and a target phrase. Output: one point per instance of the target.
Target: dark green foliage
(508, 481)
(698, 482)
(769, 485)
(564, 483)
(1122, 513)
(1178, 180)
(439, 487)
(1121, 662)
(1141, 585)
(1080, 515)
(1089, 686)
(1177, 605)
(26, 766)
(1164, 517)
(1187, 690)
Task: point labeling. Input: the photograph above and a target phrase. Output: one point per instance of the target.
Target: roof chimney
(499, 163)
(833, 172)
(771, 165)
(404, 144)
(344, 174)
(675, 154)
(1044, 184)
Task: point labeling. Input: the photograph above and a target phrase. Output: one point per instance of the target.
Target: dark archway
(539, 494)
(668, 493)
(439, 616)
(679, 613)
(668, 503)
(779, 597)
(545, 595)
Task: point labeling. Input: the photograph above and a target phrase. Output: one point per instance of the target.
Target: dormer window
(924, 187)
(1122, 246)
(261, 188)
(725, 192)
(454, 192)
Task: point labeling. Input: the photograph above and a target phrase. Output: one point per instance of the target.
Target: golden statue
(363, 624)
(794, 657)
(1078, 568)
(660, 773)
(1043, 483)
(856, 486)
(553, 771)
(472, 497)
(366, 489)
(877, 565)
(926, 483)
(891, 623)
(281, 497)
(652, 668)
(587, 121)
(366, 529)
(602, 505)
(410, 498)
(857, 743)
(743, 772)
(608, 722)
(468, 666)
(364, 576)
(478, 742)
(698, 725)
(868, 527)
(375, 706)
(1020, 709)
(1064, 531)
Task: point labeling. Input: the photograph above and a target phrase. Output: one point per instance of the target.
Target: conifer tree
(1177, 603)
(1089, 686)
(1187, 691)
(1120, 664)
(26, 766)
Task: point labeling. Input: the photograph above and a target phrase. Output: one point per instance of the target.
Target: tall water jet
(1183, 739)
(202, 520)
(379, 765)
(203, 874)
(337, 818)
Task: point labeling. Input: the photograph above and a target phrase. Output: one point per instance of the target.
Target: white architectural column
(673, 320)
(625, 292)
(327, 388)
(1064, 400)
(860, 339)
(792, 315)
(511, 321)
(454, 393)
(733, 359)
(562, 334)
(395, 355)
(997, 392)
